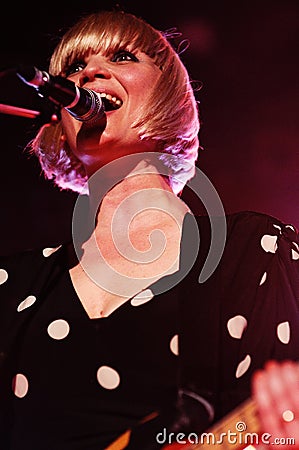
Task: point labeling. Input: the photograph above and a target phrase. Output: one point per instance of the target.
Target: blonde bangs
(107, 34)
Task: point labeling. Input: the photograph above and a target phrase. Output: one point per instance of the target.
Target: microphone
(82, 103)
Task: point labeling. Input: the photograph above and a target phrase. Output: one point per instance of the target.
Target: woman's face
(130, 77)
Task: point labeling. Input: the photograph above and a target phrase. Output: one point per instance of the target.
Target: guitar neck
(231, 431)
(237, 430)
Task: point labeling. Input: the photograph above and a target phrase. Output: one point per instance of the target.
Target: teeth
(113, 100)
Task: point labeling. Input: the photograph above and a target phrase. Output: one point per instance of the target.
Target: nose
(96, 67)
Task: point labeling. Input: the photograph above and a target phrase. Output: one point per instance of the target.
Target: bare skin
(276, 392)
(131, 79)
(137, 276)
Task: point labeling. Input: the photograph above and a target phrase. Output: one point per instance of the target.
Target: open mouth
(111, 103)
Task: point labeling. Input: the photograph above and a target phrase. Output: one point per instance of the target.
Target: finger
(274, 389)
(282, 393)
(290, 376)
(266, 403)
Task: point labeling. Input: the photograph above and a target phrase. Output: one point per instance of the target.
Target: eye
(77, 66)
(124, 55)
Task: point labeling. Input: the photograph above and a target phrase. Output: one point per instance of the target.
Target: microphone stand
(16, 111)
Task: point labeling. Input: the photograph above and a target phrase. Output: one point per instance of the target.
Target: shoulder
(242, 241)
(27, 256)
(247, 221)
(248, 225)
(21, 269)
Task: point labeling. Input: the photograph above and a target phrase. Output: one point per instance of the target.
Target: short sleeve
(244, 314)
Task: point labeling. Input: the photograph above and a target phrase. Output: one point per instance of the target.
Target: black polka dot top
(68, 382)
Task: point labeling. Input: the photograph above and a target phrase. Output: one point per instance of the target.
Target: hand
(275, 390)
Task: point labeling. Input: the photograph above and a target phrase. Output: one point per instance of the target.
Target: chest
(104, 279)
(86, 377)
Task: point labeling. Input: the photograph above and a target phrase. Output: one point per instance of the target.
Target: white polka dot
(58, 329)
(283, 332)
(243, 366)
(295, 254)
(236, 325)
(26, 303)
(263, 279)
(142, 297)
(107, 377)
(48, 251)
(288, 415)
(20, 385)
(269, 243)
(3, 276)
(174, 344)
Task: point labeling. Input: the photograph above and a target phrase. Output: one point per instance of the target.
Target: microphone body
(83, 104)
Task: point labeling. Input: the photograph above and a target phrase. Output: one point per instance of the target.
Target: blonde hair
(171, 116)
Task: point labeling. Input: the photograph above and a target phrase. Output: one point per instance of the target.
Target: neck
(138, 229)
(141, 194)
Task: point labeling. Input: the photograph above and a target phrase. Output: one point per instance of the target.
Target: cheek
(142, 86)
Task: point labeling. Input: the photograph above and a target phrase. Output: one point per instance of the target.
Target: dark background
(246, 56)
